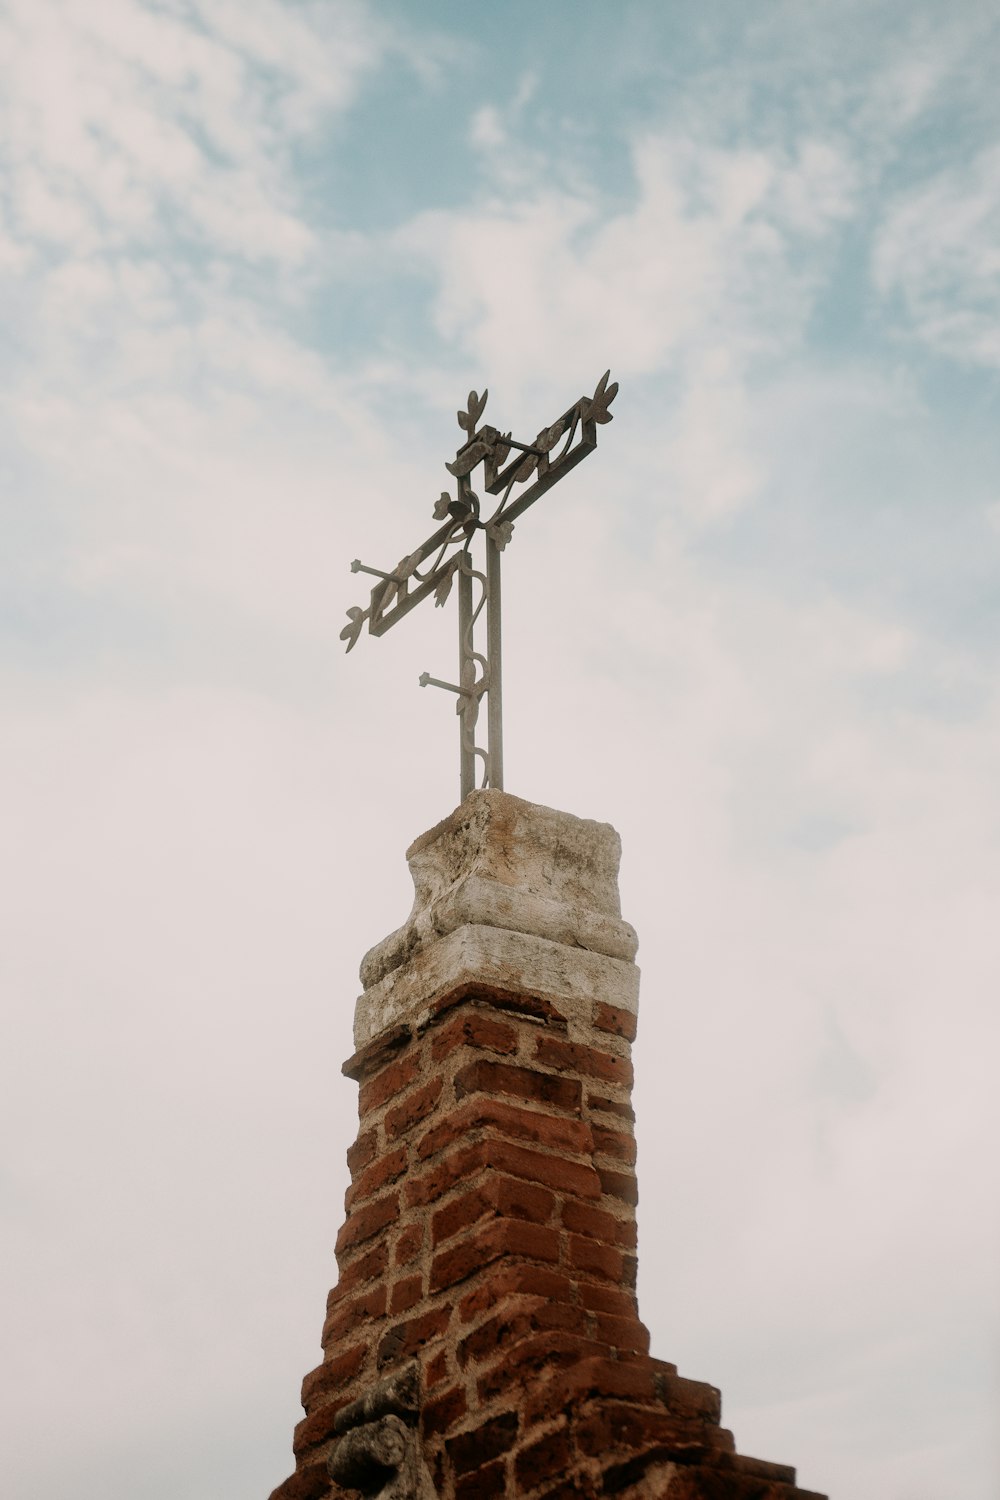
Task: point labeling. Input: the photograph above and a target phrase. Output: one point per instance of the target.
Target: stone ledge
(499, 861)
(517, 962)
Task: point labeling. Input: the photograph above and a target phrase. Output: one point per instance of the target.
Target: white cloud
(938, 252)
(210, 804)
(708, 251)
(127, 123)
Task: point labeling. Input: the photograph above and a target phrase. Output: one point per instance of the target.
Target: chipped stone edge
(477, 900)
(501, 958)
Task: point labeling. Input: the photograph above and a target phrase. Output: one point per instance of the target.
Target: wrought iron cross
(434, 565)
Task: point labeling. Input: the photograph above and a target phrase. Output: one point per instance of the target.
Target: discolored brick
(505, 1197)
(617, 1143)
(363, 1151)
(444, 1411)
(333, 1373)
(499, 1237)
(378, 1175)
(619, 1022)
(353, 1312)
(484, 1076)
(408, 1244)
(406, 1338)
(622, 1185)
(405, 1294)
(548, 1458)
(591, 1256)
(357, 1270)
(486, 1483)
(575, 1057)
(414, 1108)
(389, 1082)
(474, 1030)
(470, 1450)
(519, 1122)
(366, 1221)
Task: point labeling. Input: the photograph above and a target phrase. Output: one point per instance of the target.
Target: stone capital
(510, 895)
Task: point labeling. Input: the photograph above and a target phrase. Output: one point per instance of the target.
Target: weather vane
(433, 567)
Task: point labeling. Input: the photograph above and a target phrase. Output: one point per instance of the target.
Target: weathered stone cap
(510, 894)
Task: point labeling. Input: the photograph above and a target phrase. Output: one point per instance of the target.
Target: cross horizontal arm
(398, 592)
(550, 474)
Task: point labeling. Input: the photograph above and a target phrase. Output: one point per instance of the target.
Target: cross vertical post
(494, 691)
(468, 753)
(433, 566)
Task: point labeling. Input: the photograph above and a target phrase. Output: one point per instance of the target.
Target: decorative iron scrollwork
(434, 565)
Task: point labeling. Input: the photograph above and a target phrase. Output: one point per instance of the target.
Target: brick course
(490, 1233)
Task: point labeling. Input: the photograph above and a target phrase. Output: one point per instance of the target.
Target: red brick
(623, 1333)
(606, 1299)
(389, 1082)
(472, 1030)
(549, 1458)
(366, 1221)
(458, 1167)
(436, 1369)
(349, 1315)
(486, 1077)
(513, 1323)
(487, 1483)
(523, 1363)
(406, 1294)
(376, 1176)
(498, 1237)
(444, 1411)
(695, 1396)
(406, 1338)
(621, 1185)
(619, 1022)
(584, 1218)
(414, 1108)
(508, 1280)
(356, 1272)
(591, 1256)
(373, 1056)
(317, 1427)
(461, 1212)
(504, 1197)
(620, 1107)
(519, 1318)
(511, 1120)
(597, 1376)
(333, 1373)
(554, 1171)
(616, 1425)
(574, 1057)
(409, 1244)
(762, 1468)
(617, 1143)
(470, 1450)
(363, 1151)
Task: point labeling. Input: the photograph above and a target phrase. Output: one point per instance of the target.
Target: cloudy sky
(253, 254)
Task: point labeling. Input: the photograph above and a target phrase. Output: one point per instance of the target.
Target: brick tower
(484, 1338)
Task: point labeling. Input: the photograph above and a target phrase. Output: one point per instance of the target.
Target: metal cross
(433, 566)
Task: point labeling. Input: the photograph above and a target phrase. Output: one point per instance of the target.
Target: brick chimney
(483, 1338)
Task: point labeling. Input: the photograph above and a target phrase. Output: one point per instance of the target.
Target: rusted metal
(446, 554)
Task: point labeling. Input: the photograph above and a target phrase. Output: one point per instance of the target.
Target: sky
(253, 255)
